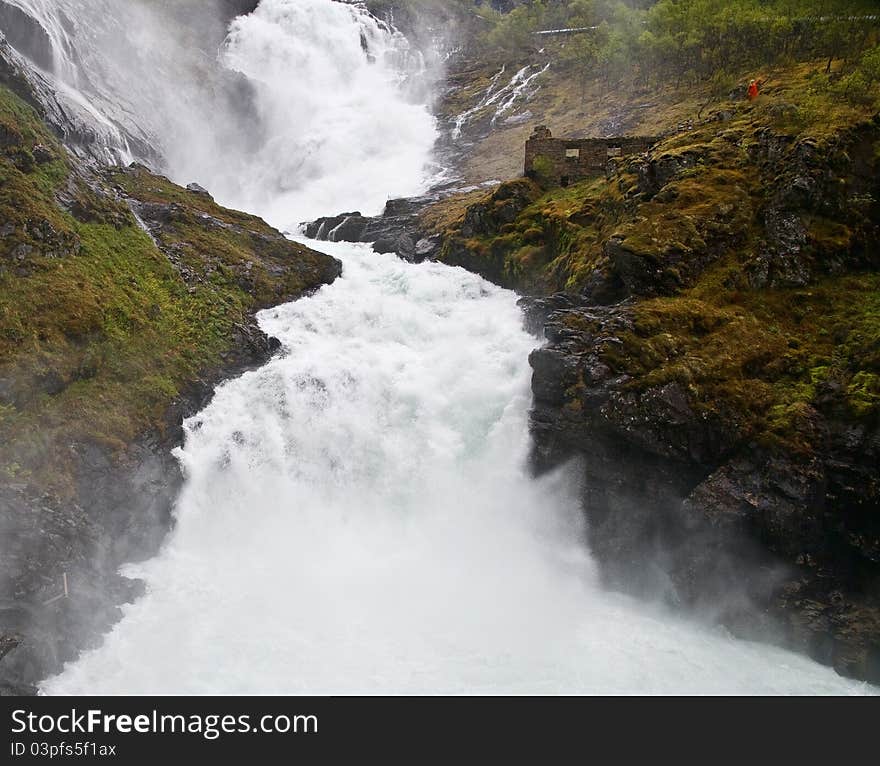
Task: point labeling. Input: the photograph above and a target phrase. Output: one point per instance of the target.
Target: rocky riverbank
(125, 301)
(711, 317)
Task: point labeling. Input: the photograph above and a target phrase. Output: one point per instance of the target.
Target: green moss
(543, 168)
(101, 342)
(554, 243)
(762, 358)
(863, 393)
(99, 329)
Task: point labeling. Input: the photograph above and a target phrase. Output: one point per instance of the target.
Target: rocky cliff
(124, 300)
(713, 327)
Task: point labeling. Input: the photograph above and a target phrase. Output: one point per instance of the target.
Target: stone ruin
(562, 161)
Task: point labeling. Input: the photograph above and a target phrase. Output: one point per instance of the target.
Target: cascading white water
(330, 75)
(357, 515)
(307, 108)
(57, 29)
(358, 518)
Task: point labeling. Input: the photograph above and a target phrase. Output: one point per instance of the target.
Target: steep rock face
(125, 301)
(25, 34)
(777, 543)
(483, 234)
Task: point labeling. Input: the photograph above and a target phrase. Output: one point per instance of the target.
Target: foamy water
(358, 518)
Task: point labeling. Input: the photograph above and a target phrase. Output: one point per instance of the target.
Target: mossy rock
(100, 328)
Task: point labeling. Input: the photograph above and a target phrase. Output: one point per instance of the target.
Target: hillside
(713, 334)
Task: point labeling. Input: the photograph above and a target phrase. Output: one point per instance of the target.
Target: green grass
(99, 330)
(759, 358)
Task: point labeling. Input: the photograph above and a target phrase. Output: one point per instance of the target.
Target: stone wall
(562, 161)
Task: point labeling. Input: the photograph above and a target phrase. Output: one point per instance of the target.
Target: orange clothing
(753, 91)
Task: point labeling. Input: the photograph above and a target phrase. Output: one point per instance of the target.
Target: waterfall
(339, 132)
(299, 109)
(358, 515)
(358, 518)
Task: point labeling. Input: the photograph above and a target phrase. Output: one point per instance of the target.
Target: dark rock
(21, 252)
(399, 229)
(200, 190)
(554, 372)
(346, 227)
(655, 173)
(27, 35)
(645, 273)
(350, 229)
(403, 207)
(777, 545)
(427, 248)
(234, 8)
(42, 154)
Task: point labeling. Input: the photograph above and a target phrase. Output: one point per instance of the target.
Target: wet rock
(781, 261)
(655, 173)
(233, 8)
(349, 229)
(27, 35)
(502, 207)
(428, 248)
(554, 371)
(398, 230)
(648, 272)
(346, 227)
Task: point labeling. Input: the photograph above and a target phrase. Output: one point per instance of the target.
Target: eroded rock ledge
(777, 543)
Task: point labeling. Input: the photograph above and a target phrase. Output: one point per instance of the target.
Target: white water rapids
(358, 518)
(358, 515)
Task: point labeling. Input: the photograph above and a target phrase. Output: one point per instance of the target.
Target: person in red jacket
(753, 90)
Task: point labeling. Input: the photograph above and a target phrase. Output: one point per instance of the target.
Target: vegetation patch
(100, 329)
(763, 358)
(682, 234)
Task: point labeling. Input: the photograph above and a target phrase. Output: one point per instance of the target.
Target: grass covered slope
(747, 246)
(635, 66)
(102, 325)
